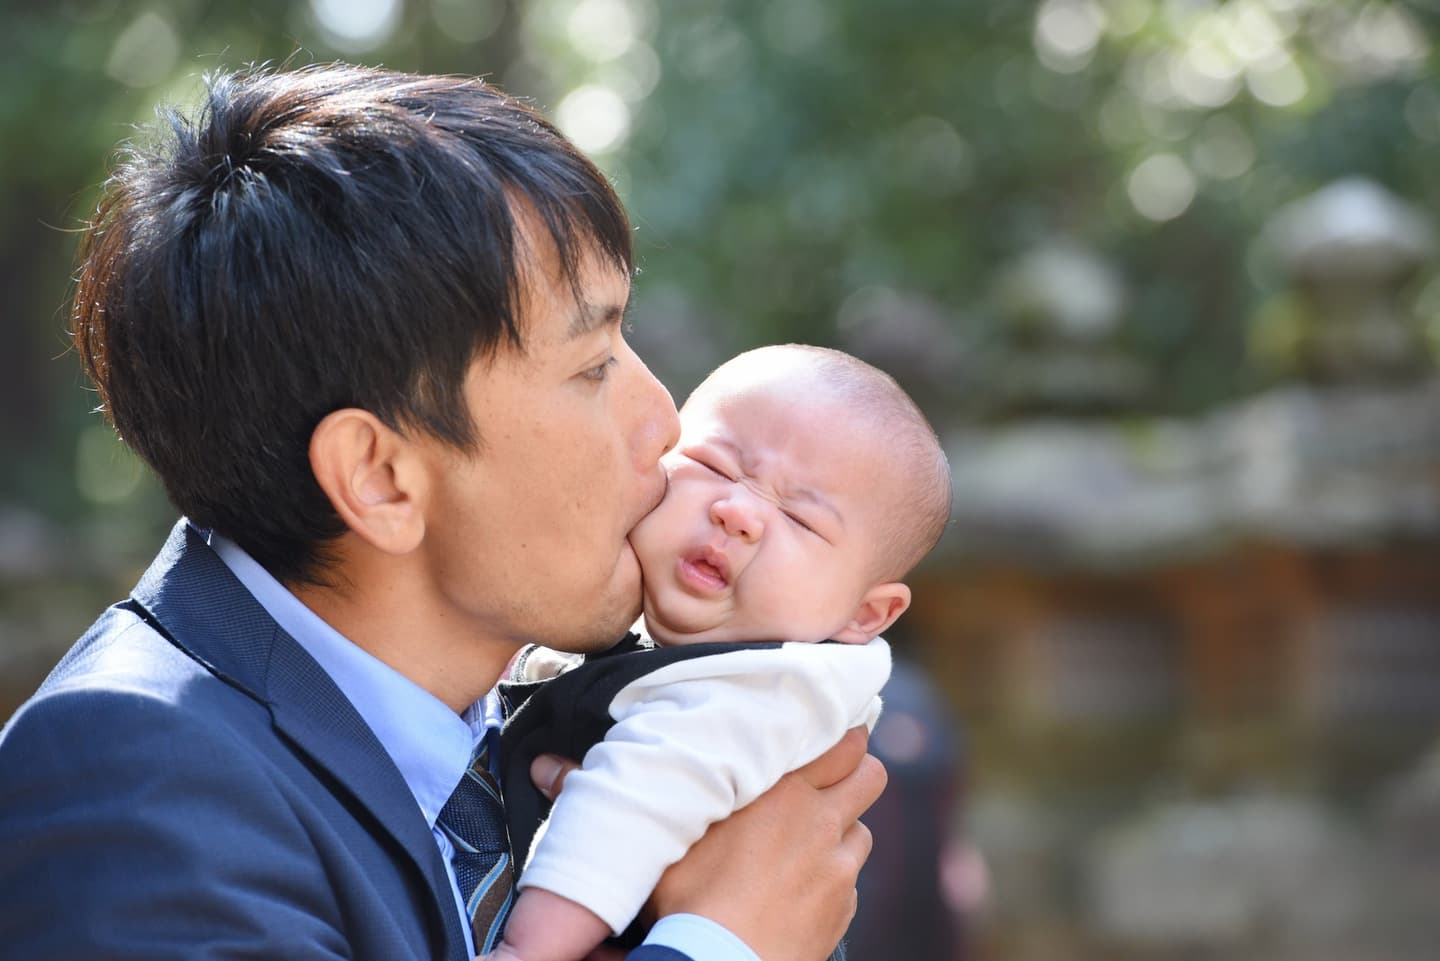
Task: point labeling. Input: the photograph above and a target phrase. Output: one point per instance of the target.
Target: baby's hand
(546, 927)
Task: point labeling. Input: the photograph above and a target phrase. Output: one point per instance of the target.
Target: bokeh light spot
(1161, 187)
(1277, 82)
(1224, 150)
(595, 117)
(601, 30)
(356, 26)
(1067, 32)
(145, 52)
(633, 76)
(1125, 18)
(1205, 76)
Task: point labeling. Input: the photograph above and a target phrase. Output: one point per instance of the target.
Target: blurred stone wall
(1231, 758)
(1199, 658)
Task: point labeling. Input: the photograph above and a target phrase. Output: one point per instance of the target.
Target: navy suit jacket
(189, 784)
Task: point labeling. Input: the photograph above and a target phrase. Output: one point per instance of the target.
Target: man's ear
(881, 605)
(373, 478)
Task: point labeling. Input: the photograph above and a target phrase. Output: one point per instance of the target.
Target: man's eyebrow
(589, 317)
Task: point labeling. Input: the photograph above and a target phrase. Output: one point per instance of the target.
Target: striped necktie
(474, 821)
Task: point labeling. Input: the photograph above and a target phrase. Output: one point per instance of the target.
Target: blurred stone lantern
(912, 338)
(1062, 306)
(1348, 252)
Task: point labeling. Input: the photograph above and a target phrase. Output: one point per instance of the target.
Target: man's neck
(453, 661)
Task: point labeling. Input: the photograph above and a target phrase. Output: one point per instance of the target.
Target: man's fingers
(839, 762)
(864, 785)
(547, 773)
(857, 842)
(856, 779)
(855, 845)
(780, 873)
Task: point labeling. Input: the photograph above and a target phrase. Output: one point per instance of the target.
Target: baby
(805, 486)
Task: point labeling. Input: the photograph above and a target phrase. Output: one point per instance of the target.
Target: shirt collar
(429, 743)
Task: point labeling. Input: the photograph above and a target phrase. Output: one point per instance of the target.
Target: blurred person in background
(923, 882)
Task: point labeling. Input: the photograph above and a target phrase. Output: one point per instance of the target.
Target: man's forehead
(561, 308)
(590, 315)
(587, 293)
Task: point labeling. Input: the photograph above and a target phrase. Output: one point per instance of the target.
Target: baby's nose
(738, 515)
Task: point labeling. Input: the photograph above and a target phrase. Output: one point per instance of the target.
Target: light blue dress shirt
(429, 743)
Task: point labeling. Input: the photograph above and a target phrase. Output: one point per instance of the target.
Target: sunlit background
(1163, 274)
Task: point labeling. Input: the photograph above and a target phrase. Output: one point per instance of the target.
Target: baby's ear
(877, 611)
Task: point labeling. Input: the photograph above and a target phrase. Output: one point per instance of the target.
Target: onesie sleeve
(693, 741)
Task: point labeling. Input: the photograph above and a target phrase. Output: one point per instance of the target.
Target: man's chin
(611, 624)
(601, 638)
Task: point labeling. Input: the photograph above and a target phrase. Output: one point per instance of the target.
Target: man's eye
(599, 371)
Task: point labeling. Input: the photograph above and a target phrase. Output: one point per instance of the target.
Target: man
(366, 328)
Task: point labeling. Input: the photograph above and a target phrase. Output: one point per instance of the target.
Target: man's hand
(780, 873)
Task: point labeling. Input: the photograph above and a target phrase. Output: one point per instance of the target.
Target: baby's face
(765, 532)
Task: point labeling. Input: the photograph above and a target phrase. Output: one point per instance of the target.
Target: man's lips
(661, 486)
(652, 502)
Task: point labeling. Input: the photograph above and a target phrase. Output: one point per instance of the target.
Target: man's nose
(738, 514)
(659, 428)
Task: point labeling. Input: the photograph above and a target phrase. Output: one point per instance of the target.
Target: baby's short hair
(920, 490)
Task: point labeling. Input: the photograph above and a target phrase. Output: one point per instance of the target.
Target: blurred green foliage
(833, 171)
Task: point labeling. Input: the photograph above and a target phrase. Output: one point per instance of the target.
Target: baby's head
(805, 486)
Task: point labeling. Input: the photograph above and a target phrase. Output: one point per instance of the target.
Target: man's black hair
(328, 237)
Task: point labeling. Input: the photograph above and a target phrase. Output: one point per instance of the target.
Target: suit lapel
(195, 600)
(316, 717)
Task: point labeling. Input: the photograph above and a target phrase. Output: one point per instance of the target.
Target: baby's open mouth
(708, 570)
(705, 571)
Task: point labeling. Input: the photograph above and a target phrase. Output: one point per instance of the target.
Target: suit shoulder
(122, 648)
(123, 678)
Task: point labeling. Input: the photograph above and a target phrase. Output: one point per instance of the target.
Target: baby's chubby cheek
(642, 542)
(646, 536)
